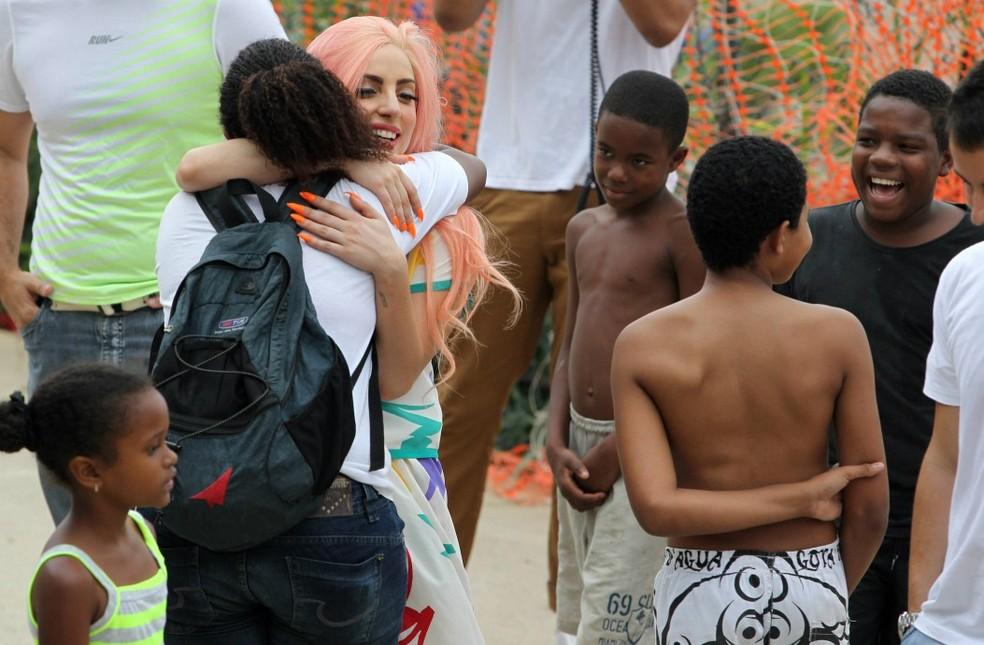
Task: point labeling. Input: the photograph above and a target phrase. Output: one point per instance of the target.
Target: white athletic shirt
(535, 129)
(953, 612)
(343, 296)
(119, 90)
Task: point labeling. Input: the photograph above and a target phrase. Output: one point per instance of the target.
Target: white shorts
(752, 597)
(607, 563)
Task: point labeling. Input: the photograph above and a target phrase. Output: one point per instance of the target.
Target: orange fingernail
(297, 208)
(297, 218)
(403, 227)
(413, 229)
(304, 236)
(308, 196)
(420, 214)
(396, 223)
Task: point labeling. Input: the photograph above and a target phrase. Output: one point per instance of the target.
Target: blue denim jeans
(56, 339)
(916, 637)
(339, 579)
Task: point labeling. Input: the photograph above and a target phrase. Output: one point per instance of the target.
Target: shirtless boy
(626, 258)
(723, 404)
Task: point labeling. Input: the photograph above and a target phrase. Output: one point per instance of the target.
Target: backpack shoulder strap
(224, 208)
(221, 211)
(319, 184)
(377, 451)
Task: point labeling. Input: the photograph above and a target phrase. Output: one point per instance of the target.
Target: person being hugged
(101, 576)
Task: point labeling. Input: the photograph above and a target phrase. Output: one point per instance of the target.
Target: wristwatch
(906, 620)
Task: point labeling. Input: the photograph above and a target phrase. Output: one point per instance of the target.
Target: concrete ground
(508, 566)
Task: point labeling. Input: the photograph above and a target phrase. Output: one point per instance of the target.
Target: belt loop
(369, 495)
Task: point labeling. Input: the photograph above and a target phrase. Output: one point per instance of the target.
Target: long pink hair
(345, 49)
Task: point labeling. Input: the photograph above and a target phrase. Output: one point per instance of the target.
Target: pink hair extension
(344, 49)
(473, 273)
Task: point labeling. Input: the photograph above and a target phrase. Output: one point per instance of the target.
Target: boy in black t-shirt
(880, 258)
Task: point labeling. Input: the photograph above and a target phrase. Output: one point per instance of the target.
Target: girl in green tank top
(101, 577)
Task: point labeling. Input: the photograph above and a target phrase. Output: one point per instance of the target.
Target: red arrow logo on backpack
(214, 494)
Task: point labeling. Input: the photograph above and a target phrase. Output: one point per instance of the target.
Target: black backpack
(260, 397)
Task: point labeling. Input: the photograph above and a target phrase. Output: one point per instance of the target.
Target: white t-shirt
(535, 132)
(343, 296)
(119, 90)
(954, 610)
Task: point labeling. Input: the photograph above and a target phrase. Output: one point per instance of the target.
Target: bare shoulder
(650, 335)
(833, 327)
(585, 219)
(671, 207)
(66, 600)
(582, 222)
(673, 214)
(64, 577)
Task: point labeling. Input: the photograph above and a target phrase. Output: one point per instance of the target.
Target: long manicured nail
(413, 229)
(297, 208)
(297, 218)
(420, 214)
(305, 237)
(308, 196)
(403, 227)
(396, 223)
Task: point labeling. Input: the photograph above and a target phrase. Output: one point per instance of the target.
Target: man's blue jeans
(56, 339)
(339, 579)
(916, 637)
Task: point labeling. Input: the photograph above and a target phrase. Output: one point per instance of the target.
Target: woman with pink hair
(393, 71)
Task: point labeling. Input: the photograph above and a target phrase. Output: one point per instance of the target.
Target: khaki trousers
(532, 227)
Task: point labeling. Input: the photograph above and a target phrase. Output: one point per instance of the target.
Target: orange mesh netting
(797, 71)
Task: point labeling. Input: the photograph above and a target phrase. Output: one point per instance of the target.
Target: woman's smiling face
(388, 95)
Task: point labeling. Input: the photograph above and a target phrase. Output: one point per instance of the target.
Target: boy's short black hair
(967, 110)
(651, 99)
(919, 87)
(739, 192)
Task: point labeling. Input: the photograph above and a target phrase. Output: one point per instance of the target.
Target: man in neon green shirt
(118, 91)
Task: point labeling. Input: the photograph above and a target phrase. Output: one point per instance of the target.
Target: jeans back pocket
(334, 601)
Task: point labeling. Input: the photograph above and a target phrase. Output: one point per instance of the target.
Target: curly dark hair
(77, 411)
(919, 87)
(650, 99)
(739, 192)
(299, 115)
(967, 110)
